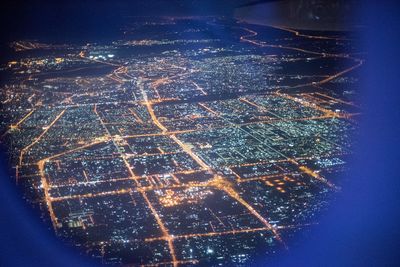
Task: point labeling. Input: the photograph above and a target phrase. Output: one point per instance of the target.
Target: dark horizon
(96, 19)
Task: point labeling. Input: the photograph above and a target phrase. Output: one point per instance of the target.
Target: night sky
(99, 18)
(75, 19)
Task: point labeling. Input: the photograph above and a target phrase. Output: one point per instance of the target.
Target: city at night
(182, 133)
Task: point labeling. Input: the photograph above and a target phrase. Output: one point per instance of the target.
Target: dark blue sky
(27, 19)
(77, 18)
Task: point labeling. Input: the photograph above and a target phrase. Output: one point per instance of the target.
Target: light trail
(332, 77)
(164, 230)
(166, 263)
(265, 177)
(208, 234)
(327, 112)
(96, 142)
(85, 175)
(37, 139)
(225, 186)
(208, 109)
(261, 108)
(47, 197)
(189, 151)
(198, 87)
(337, 100)
(150, 108)
(297, 33)
(16, 125)
(313, 174)
(130, 170)
(88, 195)
(136, 116)
(90, 182)
(158, 134)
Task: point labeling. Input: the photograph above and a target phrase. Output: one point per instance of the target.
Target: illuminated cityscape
(189, 141)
